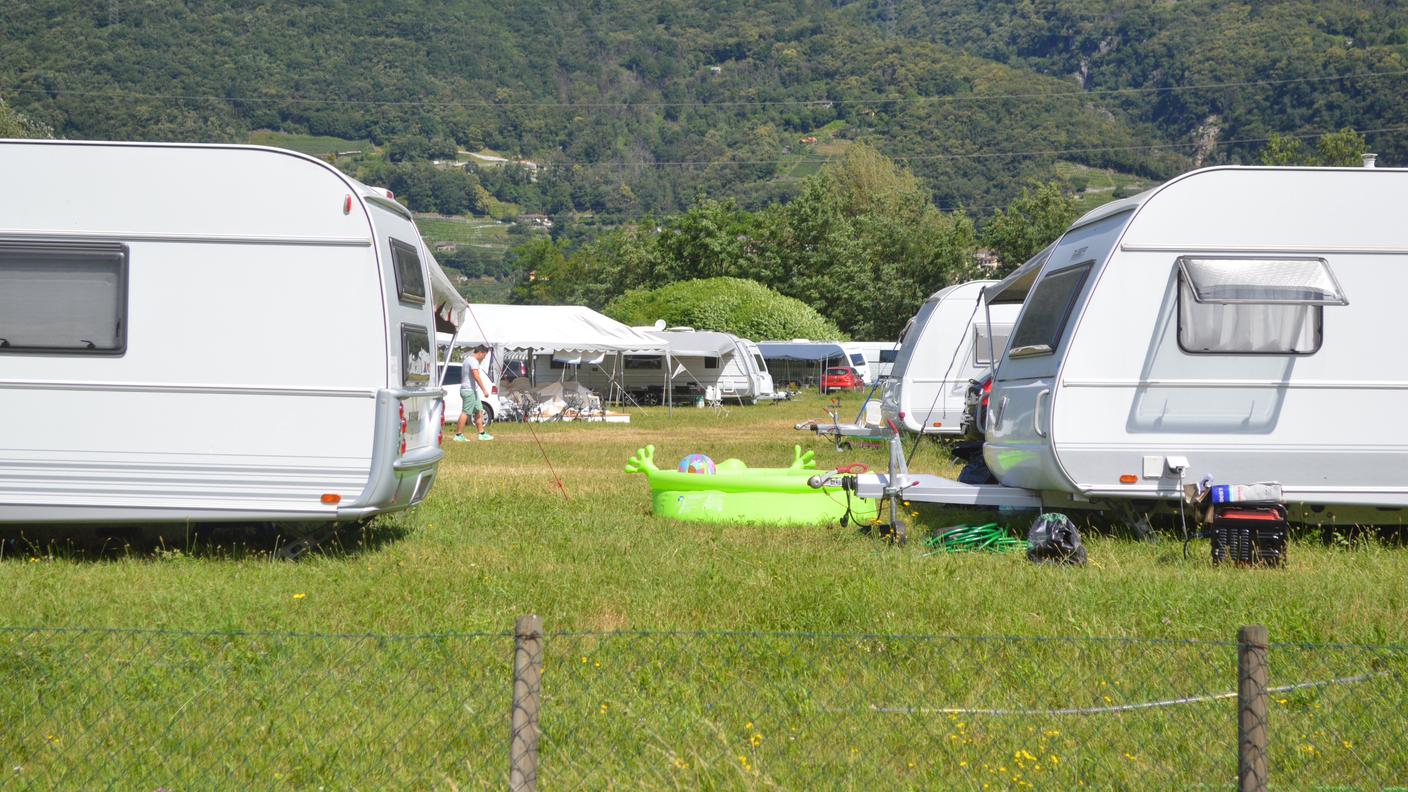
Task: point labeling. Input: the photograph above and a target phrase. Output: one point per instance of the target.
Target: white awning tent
(696, 343)
(565, 331)
(552, 328)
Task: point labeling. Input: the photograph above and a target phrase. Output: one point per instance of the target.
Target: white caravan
(1235, 323)
(164, 311)
(858, 359)
(879, 356)
(945, 346)
(731, 365)
(698, 361)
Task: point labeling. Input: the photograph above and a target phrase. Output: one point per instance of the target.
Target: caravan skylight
(1262, 281)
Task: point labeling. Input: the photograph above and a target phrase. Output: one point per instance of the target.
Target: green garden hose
(991, 538)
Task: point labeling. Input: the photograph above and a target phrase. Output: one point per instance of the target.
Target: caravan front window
(63, 297)
(1236, 305)
(1047, 310)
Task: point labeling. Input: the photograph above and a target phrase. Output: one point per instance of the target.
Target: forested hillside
(641, 107)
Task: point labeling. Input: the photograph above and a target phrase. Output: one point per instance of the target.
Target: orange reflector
(331, 498)
(938, 423)
(1128, 478)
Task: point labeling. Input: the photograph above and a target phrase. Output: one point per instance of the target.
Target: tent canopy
(695, 343)
(789, 350)
(551, 328)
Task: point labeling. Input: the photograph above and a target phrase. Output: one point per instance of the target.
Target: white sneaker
(485, 436)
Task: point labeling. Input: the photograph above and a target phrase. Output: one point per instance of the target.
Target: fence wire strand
(139, 709)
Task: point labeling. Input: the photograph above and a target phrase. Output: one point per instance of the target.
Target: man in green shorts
(473, 387)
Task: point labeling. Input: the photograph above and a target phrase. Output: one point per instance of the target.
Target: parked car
(841, 378)
(450, 385)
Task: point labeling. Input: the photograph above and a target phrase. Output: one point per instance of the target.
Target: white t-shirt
(467, 379)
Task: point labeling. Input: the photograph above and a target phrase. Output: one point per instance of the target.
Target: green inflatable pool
(736, 493)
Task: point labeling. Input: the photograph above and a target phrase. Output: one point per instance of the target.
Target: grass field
(497, 539)
(738, 706)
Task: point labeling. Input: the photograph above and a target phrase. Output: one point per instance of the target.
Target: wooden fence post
(527, 696)
(1252, 698)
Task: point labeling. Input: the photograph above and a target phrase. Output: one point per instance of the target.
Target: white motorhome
(860, 361)
(164, 310)
(948, 343)
(1235, 323)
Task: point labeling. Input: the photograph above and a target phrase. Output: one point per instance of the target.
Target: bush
(730, 305)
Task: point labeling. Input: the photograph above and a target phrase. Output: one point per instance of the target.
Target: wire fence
(723, 710)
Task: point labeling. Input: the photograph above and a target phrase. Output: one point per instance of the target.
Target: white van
(164, 316)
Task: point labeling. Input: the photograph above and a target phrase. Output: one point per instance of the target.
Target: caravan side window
(1048, 308)
(63, 298)
(410, 279)
(416, 359)
(711, 362)
(1236, 305)
(643, 362)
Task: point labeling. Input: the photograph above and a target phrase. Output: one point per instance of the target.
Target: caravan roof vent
(1262, 281)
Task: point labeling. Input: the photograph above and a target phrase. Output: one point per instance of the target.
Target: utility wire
(873, 100)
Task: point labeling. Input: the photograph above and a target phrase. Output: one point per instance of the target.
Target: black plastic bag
(1053, 539)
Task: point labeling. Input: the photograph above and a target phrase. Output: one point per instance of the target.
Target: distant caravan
(944, 347)
(165, 311)
(1232, 326)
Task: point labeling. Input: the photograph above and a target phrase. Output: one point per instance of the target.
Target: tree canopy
(729, 305)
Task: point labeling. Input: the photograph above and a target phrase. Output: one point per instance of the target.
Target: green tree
(14, 124)
(1342, 149)
(729, 305)
(1028, 224)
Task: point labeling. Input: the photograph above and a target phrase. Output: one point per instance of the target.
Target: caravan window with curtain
(1235, 305)
(63, 298)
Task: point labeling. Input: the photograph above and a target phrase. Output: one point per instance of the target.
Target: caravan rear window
(63, 298)
(410, 279)
(1047, 311)
(416, 360)
(1237, 305)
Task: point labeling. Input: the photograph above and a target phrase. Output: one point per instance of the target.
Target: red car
(841, 378)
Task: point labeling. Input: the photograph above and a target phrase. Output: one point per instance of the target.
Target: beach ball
(697, 463)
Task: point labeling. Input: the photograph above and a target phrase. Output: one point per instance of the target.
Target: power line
(625, 105)
(975, 155)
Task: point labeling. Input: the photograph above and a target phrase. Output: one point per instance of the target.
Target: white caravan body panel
(1143, 371)
(944, 348)
(221, 403)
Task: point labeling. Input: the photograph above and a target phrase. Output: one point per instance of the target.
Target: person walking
(473, 388)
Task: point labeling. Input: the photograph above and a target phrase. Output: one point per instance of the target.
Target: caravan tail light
(987, 391)
(494, 390)
(347, 204)
(403, 418)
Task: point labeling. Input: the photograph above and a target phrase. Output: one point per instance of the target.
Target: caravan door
(1019, 448)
